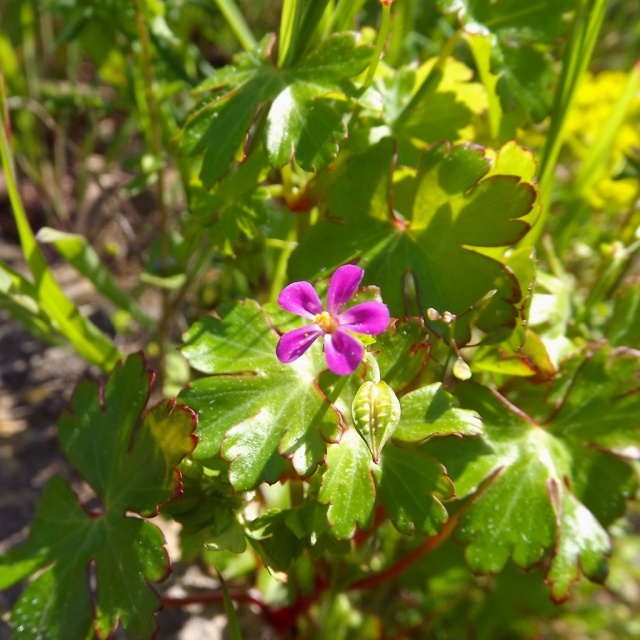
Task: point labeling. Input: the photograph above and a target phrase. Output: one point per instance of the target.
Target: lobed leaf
(537, 21)
(431, 411)
(296, 121)
(131, 466)
(348, 487)
(430, 235)
(523, 71)
(411, 486)
(553, 488)
(254, 410)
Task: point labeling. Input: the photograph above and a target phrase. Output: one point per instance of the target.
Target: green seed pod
(376, 414)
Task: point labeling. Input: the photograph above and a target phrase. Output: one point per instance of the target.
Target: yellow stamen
(326, 322)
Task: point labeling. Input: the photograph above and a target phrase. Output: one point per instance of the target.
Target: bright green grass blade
(75, 250)
(88, 340)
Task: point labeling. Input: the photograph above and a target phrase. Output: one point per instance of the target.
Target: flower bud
(376, 415)
(461, 369)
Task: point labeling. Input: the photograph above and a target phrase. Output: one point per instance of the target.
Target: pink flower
(344, 352)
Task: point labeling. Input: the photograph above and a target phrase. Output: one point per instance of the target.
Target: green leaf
(276, 542)
(524, 72)
(430, 104)
(525, 76)
(552, 488)
(430, 235)
(583, 545)
(207, 507)
(348, 487)
(403, 352)
(296, 122)
(601, 405)
(75, 250)
(131, 467)
(431, 411)
(407, 483)
(410, 487)
(537, 21)
(236, 205)
(624, 326)
(19, 297)
(254, 410)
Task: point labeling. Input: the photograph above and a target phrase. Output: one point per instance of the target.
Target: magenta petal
(300, 298)
(343, 285)
(294, 343)
(368, 317)
(344, 352)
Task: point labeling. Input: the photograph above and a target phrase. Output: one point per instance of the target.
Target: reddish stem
(360, 537)
(404, 563)
(214, 596)
(283, 618)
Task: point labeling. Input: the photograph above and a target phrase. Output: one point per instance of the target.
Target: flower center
(326, 322)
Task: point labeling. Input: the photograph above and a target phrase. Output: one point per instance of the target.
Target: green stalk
(630, 221)
(155, 141)
(232, 617)
(600, 151)
(313, 27)
(594, 163)
(577, 55)
(381, 40)
(404, 23)
(345, 13)
(280, 275)
(238, 24)
(289, 29)
(87, 339)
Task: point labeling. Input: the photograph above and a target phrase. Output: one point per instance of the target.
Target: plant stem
(422, 550)
(280, 275)
(214, 596)
(381, 40)
(374, 374)
(157, 147)
(289, 26)
(238, 24)
(88, 340)
(344, 14)
(577, 55)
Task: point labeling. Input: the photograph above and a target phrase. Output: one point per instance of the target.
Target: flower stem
(157, 147)
(380, 43)
(373, 370)
(280, 274)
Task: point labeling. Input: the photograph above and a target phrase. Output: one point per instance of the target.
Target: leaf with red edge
(256, 412)
(131, 463)
(560, 475)
(298, 120)
(423, 236)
